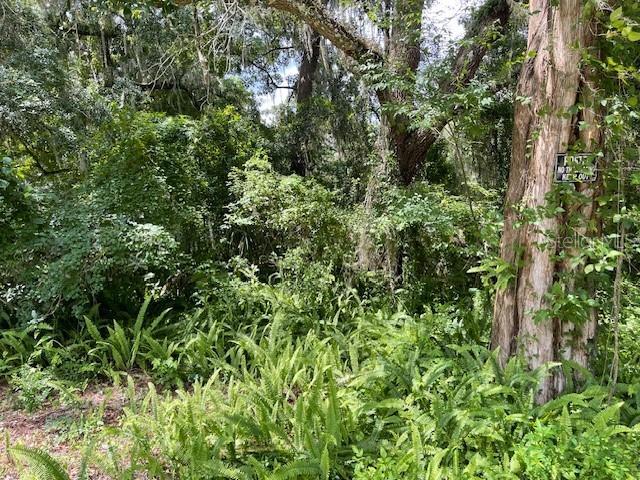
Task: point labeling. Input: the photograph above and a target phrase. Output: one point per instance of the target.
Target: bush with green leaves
(87, 255)
(627, 348)
(97, 347)
(33, 386)
(181, 165)
(18, 215)
(430, 239)
(271, 214)
(148, 208)
(90, 256)
(573, 447)
(16, 206)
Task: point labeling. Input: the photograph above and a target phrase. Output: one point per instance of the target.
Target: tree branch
(39, 165)
(344, 37)
(276, 49)
(493, 15)
(85, 29)
(269, 77)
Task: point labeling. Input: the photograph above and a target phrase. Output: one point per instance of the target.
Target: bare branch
(38, 164)
(276, 49)
(270, 78)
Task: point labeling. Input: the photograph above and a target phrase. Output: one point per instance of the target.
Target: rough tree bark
(551, 82)
(401, 57)
(300, 163)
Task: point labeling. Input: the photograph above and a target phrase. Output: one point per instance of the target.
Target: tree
(554, 97)
(398, 58)
(304, 93)
(178, 55)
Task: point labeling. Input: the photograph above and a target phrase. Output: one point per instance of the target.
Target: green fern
(41, 465)
(297, 469)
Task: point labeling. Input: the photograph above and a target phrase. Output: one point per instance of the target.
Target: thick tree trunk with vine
(551, 83)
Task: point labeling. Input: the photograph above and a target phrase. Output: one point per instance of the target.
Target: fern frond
(92, 329)
(297, 469)
(141, 314)
(83, 473)
(41, 465)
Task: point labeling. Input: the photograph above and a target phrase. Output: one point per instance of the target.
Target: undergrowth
(371, 393)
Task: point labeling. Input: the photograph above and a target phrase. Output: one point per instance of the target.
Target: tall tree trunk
(402, 59)
(550, 84)
(107, 63)
(300, 162)
(308, 67)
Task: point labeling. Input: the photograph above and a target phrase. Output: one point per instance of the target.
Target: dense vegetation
(318, 291)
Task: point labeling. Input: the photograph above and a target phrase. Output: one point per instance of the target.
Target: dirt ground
(60, 429)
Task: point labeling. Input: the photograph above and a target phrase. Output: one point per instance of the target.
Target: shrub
(271, 214)
(33, 386)
(431, 238)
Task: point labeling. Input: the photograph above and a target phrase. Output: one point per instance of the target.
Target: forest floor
(61, 428)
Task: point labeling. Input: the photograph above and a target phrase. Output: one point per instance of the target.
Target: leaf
(616, 14)
(141, 313)
(42, 465)
(324, 464)
(434, 472)
(92, 329)
(297, 469)
(602, 419)
(83, 473)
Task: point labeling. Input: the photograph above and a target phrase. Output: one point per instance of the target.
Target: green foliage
(89, 255)
(181, 164)
(43, 109)
(271, 214)
(382, 397)
(33, 386)
(103, 242)
(628, 347)
(15, 202)
(330, 135)
(426, 229)
(17, 346)
(286, 352)
(120, 346)
(42, 466)
(564, 450)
